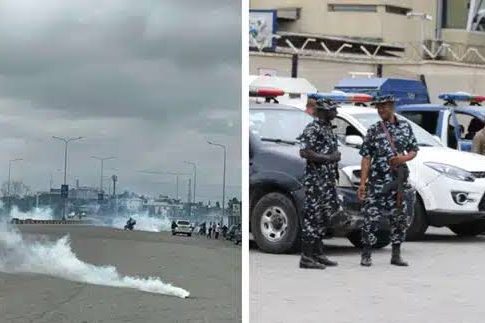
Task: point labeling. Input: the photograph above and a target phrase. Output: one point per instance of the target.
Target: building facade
(403, 24)
(439, 41)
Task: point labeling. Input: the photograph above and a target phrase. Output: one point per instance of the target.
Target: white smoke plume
(57, 259)
(144, 222)
(35, 214)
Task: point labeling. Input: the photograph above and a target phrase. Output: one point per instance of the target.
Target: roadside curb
(32, 221)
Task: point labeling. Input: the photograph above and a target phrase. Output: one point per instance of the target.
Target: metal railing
(407, 51)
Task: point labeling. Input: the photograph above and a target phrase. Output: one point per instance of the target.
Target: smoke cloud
(58, 260)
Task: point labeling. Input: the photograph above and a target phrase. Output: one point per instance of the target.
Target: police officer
(319, 148)
(388, 145)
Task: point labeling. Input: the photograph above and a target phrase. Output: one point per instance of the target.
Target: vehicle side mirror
(355, 141)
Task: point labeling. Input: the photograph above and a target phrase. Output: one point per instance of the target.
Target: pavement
(210, 270)
(444, 283)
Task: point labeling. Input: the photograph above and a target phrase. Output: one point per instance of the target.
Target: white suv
(450, 184)
(182, 227)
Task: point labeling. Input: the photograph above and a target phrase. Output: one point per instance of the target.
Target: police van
(455, 125)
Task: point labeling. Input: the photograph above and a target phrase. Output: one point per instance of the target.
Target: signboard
(64, 191)
(262, 27)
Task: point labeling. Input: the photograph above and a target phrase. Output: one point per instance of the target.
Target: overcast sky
(147, 81)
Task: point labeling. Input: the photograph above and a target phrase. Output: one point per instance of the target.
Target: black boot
(319, 256)
(366, 259)
(396, 256)
(306, 260)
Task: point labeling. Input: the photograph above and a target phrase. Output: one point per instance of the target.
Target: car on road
(276, 174)
(454, 125)
(182, 227)
(450, 184)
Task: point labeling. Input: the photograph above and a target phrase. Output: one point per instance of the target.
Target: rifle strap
(389, 137)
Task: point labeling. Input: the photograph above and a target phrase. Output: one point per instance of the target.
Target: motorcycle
(130, 224)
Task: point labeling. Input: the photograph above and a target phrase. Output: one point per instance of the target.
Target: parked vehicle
(182, 227)
(450, 184)
(405, 90)
(454, 125)
(276, 173)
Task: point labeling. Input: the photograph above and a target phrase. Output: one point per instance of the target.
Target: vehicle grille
(479, 174)
(481, 205)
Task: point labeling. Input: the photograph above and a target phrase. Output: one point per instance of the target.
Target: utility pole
(66, 143)
(189, 199)
(9, 180)
(223, 178)
(194, 165)
(102, 159)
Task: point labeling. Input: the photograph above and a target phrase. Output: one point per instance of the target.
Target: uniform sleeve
(307, 138)
(367, 149)
(412, 142)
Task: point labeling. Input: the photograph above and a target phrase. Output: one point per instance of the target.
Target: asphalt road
(210, 270)
(445, 283)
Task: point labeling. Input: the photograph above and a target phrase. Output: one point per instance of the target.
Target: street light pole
(223, 178)
(9, 178)
(102, 159)
(194, 165)
(66, 142)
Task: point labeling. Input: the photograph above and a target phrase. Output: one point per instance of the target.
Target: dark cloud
(147, 81)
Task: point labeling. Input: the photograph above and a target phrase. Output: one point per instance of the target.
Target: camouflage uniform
(321, 199)
(377, 147)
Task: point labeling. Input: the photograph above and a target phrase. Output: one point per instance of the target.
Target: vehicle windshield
(284, 125)
(183, 222)
(422, 136)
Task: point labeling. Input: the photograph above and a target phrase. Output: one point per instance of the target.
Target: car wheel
(418, 224)
(275, 224)
(189, 234)
(173, 233)
(383, 239)
(468, 229)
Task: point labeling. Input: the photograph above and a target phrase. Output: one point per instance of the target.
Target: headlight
(452, 172)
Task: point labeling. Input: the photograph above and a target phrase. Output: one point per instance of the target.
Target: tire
(173, 233)
(383, 239)
(282, 232)
(468, 229)
(189, 234)
(418, 226)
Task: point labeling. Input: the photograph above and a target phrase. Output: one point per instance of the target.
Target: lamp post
(223, 178)
(66, 142)
(9, 178)
(102, 159)
(194, 165)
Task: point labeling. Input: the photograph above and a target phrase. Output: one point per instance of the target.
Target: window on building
(397, 10)
(352, 8)
(455, 13)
